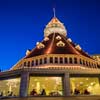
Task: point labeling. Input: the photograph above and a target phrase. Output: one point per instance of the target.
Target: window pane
(40, 61)
(32, 63)
(10, 87)
(28, 64)
(36, 62)
(51, 60)
(61, 60)
(56, 60)
(66, 60)
(45, 60)
(51, 85)
(75, 60)
(70, 60)
(80, 61)
(85, 86)
(24, 63)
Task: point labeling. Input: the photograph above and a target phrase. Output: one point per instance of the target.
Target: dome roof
(56, 43)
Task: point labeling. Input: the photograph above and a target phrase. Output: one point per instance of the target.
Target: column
(24, 84)
(66, 84)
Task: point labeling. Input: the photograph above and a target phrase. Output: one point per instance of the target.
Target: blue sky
(22, 23)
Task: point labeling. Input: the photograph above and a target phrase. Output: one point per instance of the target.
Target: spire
(54, 12)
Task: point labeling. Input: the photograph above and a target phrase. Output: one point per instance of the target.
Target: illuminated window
(58, 37)
(40, 45)
(60, 44)
(10, 87)
(81, 84)
(51, 85)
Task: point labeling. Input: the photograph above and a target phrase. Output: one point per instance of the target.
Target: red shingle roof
(50, 47)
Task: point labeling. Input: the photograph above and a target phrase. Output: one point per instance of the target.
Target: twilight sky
(22, 23)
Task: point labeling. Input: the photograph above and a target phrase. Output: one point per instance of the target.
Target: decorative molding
(89, 61)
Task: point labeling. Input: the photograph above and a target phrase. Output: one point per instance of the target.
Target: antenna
(54, 12)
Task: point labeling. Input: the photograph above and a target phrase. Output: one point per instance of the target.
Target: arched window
(45, 60)
(70, 60)
(56, 60)
(51, 60)
(66, 61)
(32, 63)
(75, 60)
(61, 60)
(28, 64)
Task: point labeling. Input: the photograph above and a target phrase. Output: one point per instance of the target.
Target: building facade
(55, 67)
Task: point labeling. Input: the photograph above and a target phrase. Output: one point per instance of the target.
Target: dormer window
(60, 44)
(46, 39)
(28, 52)
(58, 37)
(69, 40)
(78, 47)
(40, 45)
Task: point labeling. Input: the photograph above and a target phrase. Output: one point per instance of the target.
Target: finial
(54, 12)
